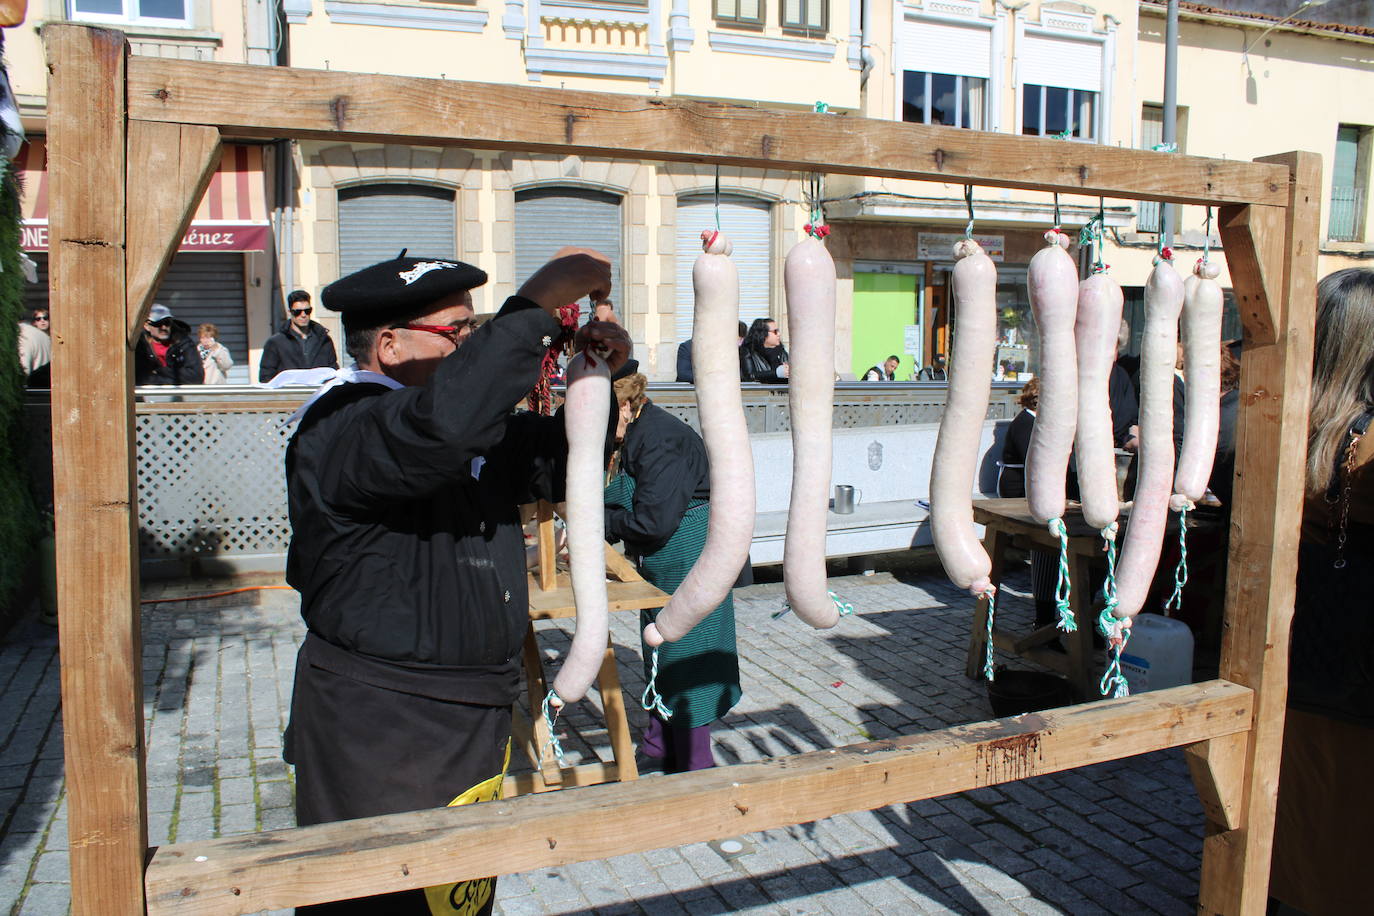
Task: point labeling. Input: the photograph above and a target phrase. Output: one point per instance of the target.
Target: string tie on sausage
(991, 595)
(844, 609)
(1175, 601)
(553, 703)
(1113, 681)
(1063, 588)
(650, 699)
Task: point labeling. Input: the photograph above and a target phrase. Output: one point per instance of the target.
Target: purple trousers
(680, 748)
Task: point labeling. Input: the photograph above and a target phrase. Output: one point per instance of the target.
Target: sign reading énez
(204, 237)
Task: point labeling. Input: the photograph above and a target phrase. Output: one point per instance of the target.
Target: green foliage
(19, 519)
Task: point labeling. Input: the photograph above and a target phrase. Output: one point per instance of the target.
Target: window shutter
(546, 219)
(791, 12)
(207, 288)
(748, 223)
(1068, 63)
(377, 221)
(938, 47)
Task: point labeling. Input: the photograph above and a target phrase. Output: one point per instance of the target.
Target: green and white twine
(842, 607)
(991, 594)
(650, 699)
(1175, 601)
(1113, 680)
(550, 718)
(1063, 588)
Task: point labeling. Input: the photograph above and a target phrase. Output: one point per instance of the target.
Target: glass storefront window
(1018, 356)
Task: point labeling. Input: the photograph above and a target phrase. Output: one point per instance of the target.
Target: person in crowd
(684, 357)
(1011, 474)
(657, 503)
(1121, 397)
(35, 349)
(763, 358)
(403, 481)
(214, 356)
(887, 372)
(1318, 865)
(604, 311)
(1224, 464)
(935, 372)
(166, 353)
(300, 343)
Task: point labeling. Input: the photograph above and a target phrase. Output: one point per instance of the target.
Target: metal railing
(1347, 215)
(211, 486)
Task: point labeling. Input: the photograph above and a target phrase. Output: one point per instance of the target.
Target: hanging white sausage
(720, 410)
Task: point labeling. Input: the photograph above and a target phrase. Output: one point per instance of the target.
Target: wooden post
(1275, 389)
(93, 472)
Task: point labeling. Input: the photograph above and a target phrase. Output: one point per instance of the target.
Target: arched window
(377, 221)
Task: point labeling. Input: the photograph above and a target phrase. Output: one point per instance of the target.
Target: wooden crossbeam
(374, 855)
(275, 102)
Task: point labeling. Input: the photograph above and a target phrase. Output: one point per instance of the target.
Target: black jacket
(684, 361)
(399, 552)
(183, 360)
(667, 460)
(1011, 482)
(1125, 406)
(762, 365)
(286, 350)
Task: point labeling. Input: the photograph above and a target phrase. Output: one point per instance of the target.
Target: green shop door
(884, 305)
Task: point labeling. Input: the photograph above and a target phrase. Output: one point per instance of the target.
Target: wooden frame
(104, 105)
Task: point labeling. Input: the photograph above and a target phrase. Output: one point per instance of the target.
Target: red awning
(232, 215)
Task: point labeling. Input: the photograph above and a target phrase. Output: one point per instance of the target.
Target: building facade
(285, 215)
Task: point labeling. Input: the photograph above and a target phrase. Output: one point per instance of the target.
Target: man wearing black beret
(404, 481)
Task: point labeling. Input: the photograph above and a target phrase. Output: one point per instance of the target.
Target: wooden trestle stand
(132, 144)
(551, 598)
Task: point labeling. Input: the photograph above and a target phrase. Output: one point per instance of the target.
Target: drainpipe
(286, 213)
(865, 41)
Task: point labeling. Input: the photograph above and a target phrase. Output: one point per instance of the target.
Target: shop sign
(939, 246)
(201, 237)
(912, 339)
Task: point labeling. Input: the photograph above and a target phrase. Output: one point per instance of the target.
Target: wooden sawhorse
(1008, 524)
(551, 598)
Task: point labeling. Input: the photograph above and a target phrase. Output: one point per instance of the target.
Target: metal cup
(845, 500)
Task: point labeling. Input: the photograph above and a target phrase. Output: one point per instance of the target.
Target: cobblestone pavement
(1116, 838)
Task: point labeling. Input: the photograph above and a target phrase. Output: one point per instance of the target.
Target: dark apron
(698, 676)
(371, 737)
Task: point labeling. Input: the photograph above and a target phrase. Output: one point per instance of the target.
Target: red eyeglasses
(454, 332)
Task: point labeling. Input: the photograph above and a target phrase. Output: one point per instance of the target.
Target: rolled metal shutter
(947, 47)
(207, 288)
(546, 219)
(377, 221)
(748, 223)
(1065, 62)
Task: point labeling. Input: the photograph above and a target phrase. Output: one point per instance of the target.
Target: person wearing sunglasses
(35, 349)
(404, 481)
(166, 353)
(300, 343)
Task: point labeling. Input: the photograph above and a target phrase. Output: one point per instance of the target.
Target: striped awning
(232, 215)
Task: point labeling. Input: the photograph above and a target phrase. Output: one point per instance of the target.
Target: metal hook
(1058, 221)
(968, 199)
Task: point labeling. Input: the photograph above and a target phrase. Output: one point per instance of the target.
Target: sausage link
(809, 279)
(585, 414)
(720, 409)
(1095, 332)
(1149, 513)
(1202, 307)
(974, 285)
(1052, 280)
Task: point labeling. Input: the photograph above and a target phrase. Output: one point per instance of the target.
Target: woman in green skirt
(657, 502)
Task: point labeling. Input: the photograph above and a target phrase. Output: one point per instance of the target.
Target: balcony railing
(1347, 215)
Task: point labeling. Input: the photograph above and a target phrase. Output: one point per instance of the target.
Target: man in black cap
(166, 352)
(404, 481)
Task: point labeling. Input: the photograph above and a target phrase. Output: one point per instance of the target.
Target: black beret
(400, 287)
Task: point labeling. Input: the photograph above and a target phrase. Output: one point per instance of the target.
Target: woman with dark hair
(1011, 473)
(762, 355)
(1318, 867)
(658, 503)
